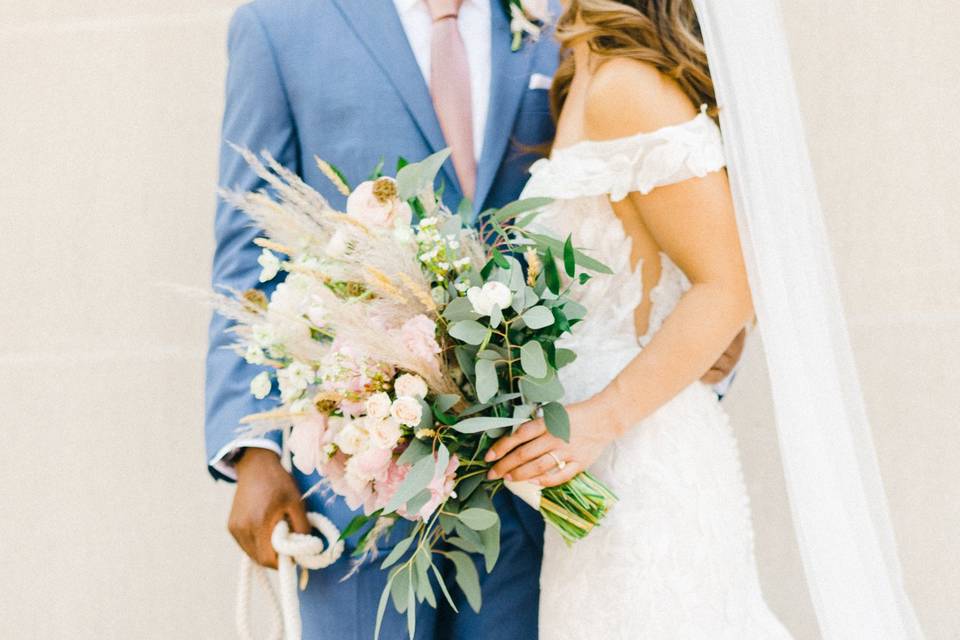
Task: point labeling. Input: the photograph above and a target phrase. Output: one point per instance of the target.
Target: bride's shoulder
(627, 97)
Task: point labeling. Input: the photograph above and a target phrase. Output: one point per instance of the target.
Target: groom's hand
(727, 362)
(265, 494)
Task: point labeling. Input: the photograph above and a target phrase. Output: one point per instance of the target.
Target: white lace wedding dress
(674, 559)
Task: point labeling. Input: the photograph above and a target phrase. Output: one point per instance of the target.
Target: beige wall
(110, 527)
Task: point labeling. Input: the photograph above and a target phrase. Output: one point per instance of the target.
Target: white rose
(537, 9)
(270, 265)
(378, 405)
(260, 386)
(407, 410)
(410, 385)
(490, 295)
(384, 433)
(351, 439)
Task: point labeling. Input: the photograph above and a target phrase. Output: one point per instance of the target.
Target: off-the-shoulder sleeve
(637, 163)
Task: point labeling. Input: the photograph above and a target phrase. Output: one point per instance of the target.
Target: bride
(639, 176)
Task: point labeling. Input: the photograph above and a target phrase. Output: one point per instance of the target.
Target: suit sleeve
(257, 115)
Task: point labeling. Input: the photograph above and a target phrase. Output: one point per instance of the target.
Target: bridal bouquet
(403, 345)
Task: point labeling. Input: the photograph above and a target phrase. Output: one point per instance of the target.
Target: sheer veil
(833, 481)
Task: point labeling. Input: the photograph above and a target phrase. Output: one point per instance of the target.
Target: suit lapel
(377, 25)
(508, 82)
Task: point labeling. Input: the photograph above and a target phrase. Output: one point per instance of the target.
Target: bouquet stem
(573, 508)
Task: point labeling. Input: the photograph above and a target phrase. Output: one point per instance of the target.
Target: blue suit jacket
(338, 79)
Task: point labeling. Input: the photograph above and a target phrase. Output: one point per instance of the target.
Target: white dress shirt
(474, 24)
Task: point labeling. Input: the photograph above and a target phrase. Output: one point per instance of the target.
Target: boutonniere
(527, 18)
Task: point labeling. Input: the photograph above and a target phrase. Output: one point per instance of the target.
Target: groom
(354, 82)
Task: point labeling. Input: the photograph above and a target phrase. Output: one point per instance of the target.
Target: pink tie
(450, 87)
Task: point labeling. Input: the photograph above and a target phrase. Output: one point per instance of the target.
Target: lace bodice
(583, 178)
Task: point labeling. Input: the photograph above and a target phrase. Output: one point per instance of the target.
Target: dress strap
(640, 163)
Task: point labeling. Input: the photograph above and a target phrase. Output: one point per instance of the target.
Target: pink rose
(375, 203)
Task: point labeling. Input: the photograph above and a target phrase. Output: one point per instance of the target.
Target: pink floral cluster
(357, 453)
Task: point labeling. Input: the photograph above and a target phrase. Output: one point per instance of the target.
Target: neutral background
(110, 526)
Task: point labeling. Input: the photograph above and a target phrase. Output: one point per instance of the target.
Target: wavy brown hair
(664, 33)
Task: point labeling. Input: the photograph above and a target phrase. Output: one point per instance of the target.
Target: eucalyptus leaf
(532, 360)
(470, 331)
(537, 317)
(416, 503)
(399, 590)
(517, 207)
(468, 579)
(445, 402)
(574, 310)
(496, 317)
(443, 588)
(557, 420)
(523, 411)
(545, 390)
(491, 545)
(382, 606)
(460, 309)
(464, 544)
(487, 382)
(397, 552)
(565, 357)
(413, 178)
(478, 519)
(416, 450)
(467, 486)
(466, 356)
(416, 481)
(484, 423)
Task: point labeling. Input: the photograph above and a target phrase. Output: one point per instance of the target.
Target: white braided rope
(305, 550)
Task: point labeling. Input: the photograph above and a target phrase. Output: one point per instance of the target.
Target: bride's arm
(694, 223)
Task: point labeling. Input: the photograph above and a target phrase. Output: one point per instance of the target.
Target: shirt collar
(403, 6)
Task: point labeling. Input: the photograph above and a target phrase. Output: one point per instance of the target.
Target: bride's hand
(532, 453)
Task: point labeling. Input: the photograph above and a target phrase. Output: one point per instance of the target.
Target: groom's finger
(527, 432)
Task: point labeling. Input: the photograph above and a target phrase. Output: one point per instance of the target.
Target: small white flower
(263, 335)
(410, 385)
(461, 287)
(270, 265)
(454, 244)
(260, 386)
(490, 295)
(255, 354)
(302, 375)
(407, 410)
(338, 246)
(378, 405)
